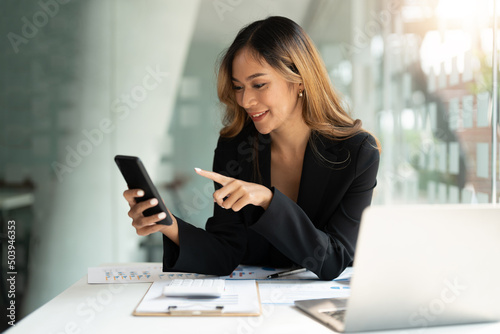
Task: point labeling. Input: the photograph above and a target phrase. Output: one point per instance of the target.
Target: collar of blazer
(316, 171)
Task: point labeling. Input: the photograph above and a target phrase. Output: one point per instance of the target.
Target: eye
(237, 87)
(258, 86)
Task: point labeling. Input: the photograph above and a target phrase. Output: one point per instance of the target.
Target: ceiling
(325, 20)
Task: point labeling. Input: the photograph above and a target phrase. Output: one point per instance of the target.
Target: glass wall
(434, 116)
(419, 75)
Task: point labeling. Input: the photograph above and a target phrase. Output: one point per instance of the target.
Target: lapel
(315, 173)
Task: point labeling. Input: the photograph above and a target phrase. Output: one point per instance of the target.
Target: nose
(247, 99)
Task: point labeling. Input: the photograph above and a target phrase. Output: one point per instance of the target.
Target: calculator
(192, 288)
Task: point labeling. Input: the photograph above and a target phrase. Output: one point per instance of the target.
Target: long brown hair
(286, 47)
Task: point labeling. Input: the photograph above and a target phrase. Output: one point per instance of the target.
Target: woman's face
(270, 101)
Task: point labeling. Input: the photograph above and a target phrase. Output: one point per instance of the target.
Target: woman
(292, 170)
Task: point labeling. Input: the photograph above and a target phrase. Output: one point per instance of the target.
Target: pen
(287, 273)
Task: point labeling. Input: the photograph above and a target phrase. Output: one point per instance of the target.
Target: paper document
(345, 275)
(287, 292)
(135, 274)
(240, 297)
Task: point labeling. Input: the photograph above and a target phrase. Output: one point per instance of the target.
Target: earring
(300, 93)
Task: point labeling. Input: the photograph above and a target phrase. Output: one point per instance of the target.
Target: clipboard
(240, 298)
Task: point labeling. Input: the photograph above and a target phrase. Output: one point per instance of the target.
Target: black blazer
(319, 232)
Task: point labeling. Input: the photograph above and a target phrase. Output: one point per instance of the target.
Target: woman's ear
(301, 87)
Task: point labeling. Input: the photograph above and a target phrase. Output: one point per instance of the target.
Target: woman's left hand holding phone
(147, 225)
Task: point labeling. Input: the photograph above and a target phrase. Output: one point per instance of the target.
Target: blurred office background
(82, 81)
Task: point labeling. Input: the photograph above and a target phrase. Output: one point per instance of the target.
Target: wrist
(268, 198)
(171, 231)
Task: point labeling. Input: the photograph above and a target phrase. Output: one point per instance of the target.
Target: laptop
(419, 266)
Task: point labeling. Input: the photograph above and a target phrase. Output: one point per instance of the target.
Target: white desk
(107, 308)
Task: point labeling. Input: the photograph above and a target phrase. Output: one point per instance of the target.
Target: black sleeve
(327, 250)
(219, 248)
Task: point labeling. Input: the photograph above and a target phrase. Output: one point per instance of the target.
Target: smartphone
(137, 177)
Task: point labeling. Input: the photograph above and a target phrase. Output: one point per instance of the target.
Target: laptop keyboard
(337, 314)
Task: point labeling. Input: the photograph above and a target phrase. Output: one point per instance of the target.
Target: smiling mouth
(259, 114)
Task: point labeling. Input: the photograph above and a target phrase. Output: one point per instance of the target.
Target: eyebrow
(253, 76)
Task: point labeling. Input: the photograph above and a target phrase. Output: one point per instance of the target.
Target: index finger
(219, 178)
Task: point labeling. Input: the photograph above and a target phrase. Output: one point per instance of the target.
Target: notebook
(419, 266)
